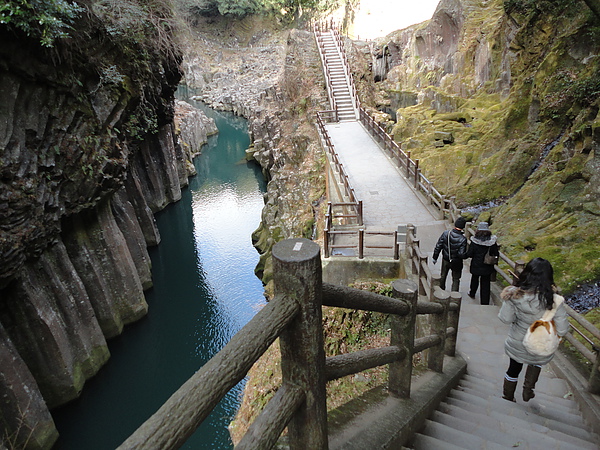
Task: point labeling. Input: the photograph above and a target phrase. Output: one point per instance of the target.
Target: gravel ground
(585, 298)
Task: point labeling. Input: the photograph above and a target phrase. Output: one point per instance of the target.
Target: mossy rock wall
(518, 92)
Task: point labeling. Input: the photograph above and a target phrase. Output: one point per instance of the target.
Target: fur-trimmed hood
(487, 242)
(512, 293)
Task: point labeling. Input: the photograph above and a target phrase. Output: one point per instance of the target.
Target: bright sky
(377, 18)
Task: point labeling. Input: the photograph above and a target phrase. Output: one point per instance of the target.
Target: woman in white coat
(523, 304)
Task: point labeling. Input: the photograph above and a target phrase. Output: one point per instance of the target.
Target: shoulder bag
(490, 259)
(541, 338)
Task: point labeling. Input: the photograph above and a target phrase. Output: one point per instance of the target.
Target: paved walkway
(388, 199)
(484, 420)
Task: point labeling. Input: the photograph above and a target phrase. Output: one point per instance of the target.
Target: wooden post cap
(404, 286)
(295, 250)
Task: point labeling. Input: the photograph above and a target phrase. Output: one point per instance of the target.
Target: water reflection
(204, 291)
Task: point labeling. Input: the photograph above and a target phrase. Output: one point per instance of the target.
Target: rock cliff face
(273, 78)
(515, 87)
(88, 152)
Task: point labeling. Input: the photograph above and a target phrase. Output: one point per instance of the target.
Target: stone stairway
(475, 416)
(336, 72)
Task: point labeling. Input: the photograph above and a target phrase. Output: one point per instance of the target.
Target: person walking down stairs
(481, 245)
(452, 244)
(522, 304)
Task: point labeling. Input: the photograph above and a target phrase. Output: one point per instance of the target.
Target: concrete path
(474, 414)
(388, 199)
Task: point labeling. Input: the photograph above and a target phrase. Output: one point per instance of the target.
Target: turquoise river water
(204, 291)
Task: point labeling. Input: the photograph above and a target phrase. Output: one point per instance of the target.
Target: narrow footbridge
(379, 193)
(375, 189)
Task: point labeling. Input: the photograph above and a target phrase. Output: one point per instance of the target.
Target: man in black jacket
(453, 246)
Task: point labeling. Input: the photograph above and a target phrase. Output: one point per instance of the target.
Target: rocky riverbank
(273, 77)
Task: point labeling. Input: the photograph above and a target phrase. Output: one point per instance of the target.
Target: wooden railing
(294, 316)
(358, 238)
(587, 345)
(588, 348)
(353, 92)
(351, 208)
(327, 73)
(409, 167)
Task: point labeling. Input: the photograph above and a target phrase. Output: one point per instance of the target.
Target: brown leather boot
(531, 376)
(508, 390)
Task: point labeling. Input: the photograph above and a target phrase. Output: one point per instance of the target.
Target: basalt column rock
(19, 389)
(126, 218)
(99, 251)
(158, 165)
(49, 318)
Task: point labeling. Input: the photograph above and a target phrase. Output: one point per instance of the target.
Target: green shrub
(46, 20)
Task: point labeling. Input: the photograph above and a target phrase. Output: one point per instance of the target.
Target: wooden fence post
(453, 317)
(519, 266)
(444, 204)
(361, 243)
(403, 336)
(422, 278)
(297, 273)
(360, 213)
(439, 323)
(417, 176)
(435, 282)
(415, 257)
(594, 380)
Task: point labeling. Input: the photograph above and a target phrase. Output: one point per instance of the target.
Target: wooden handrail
(294, 316)
(419, 266)
(183, 412)
(449, 210)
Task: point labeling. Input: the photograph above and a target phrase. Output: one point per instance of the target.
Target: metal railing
(294, 315)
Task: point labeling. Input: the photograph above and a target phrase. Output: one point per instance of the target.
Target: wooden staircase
(340, 87)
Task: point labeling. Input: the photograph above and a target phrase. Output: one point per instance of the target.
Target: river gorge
(204, 291)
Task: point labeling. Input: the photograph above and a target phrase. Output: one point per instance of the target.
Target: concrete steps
(337, 77)
(474, 416)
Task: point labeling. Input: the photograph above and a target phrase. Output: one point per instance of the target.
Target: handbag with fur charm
(541, 337)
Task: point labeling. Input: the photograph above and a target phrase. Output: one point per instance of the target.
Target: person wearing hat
(452, 244)
(481, 273)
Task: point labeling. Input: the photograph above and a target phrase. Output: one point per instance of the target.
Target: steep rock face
(274, 78)
(88, 151)
(24, 393)
(517, 90)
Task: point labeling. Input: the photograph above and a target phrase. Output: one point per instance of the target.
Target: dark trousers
(456, 273)
(514, 368)
(484, 282)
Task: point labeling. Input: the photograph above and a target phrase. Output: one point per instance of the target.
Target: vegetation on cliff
(285, 9)
(518, 93)
(110, 83)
